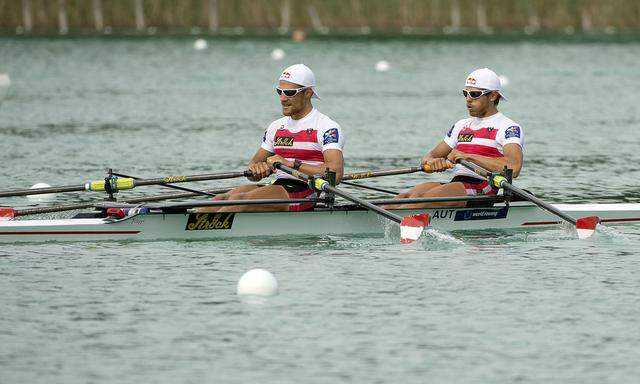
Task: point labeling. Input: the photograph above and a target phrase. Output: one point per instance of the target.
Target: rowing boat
(179, 222)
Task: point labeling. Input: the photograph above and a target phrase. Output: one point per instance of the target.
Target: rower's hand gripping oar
(410, 226)
(585, 226)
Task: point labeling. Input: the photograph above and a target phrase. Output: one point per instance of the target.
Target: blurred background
(318, 16)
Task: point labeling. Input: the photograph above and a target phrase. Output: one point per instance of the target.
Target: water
(489, 306)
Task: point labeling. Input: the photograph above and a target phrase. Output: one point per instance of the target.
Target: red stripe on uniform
(478, 149)
(482, 133)
(304, 136)
(300, 154)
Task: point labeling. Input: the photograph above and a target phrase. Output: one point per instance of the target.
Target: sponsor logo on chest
(465, 137)
(283, 141)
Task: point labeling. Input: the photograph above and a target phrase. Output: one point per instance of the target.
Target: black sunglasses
(290, 92)
(475, 94)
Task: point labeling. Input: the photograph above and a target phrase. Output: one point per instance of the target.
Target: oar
(117, 184)
(370, 188)
(387, 172)
(9, 213)
(196, 191)
(410, 226)
(585, 226)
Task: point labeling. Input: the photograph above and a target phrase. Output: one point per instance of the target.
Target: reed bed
(321, 16)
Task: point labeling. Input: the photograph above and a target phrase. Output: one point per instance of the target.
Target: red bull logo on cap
(286, 75)
(471, 81)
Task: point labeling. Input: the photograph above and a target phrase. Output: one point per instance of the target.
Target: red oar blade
(7, 213)
(586, 226)
(411, 227)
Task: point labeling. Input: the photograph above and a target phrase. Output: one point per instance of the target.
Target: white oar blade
(586, 226)
(411, 227)
(7, 213)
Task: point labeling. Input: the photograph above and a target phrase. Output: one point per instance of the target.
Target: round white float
(200, 44)
(43, 197)
(259, 282)
(5, 83)
(277, 54)
(504, 80)
(382, 66)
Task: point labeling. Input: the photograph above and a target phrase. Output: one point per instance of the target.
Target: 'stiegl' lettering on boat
(174, 179)
(209, 221)
(481, 214)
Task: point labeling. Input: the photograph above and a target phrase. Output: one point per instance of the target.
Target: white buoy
(382, 66)
(43, 197)
(504, 80)
(259, 282)
(200, 44)
(5, 83)
(277, 54)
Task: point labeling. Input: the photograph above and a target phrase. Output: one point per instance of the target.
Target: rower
(488, 138)
(304, 139)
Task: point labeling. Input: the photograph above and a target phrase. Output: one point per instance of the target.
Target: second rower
(488, 138)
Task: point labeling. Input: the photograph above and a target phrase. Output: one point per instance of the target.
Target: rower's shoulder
(506, 122)
(462, 122)
(278, 123)
(326, 120)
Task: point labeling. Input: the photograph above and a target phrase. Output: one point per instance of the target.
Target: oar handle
(427, 168)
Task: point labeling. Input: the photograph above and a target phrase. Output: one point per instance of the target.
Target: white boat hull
(194, 226)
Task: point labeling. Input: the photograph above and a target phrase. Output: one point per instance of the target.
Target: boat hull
(197, 226)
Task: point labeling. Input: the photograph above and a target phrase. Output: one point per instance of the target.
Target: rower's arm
(512, 159)
(436, 159)
(258, 166)
(332, 159)
(439, 151)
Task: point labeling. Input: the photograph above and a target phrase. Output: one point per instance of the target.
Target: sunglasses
(475, 94)
(290, 92)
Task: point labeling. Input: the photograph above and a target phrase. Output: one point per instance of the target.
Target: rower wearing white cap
(304, 139)
(488, 138)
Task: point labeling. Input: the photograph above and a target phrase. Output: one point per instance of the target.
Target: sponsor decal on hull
(209, 221)
(481, 214)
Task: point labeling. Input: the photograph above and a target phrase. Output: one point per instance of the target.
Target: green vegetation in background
(319, 16)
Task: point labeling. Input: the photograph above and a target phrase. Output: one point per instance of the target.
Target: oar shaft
(72, 207)
(170, 186)
(388, 172)
(391, 216)
(40, 191)
(369, 188)
(538, 202)
(503, 183)
(124, 183)
(324, 185)
(188, 179)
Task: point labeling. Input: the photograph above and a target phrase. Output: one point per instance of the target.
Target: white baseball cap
(302, 75)
(486, 79)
